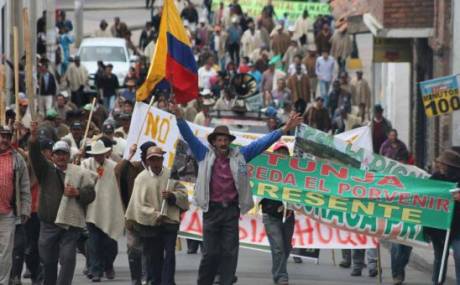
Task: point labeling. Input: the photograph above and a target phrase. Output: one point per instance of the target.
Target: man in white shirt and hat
(153, 214)
(105, 215)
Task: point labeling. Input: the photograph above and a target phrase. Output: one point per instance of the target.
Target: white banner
(161, 128)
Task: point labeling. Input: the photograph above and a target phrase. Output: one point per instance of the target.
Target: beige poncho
(106, 211)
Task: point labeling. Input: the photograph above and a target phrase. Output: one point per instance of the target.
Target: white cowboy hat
(98, 147)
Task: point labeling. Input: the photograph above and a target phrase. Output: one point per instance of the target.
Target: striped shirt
(6, 182)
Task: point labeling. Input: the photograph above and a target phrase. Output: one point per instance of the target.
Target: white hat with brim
(98, 148)
(61, 146)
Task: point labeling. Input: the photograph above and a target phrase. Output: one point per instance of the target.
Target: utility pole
(79, 6)
(456, 66)
(51, 31)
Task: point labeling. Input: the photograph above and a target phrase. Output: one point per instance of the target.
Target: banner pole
(88, 124)
(145, 119)
(333, 257)
(379, 264)
(444, 255)
(284, 211)
(163, 204)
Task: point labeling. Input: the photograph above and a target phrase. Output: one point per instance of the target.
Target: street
(254, 268)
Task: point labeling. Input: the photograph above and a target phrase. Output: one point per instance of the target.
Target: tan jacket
(76, 76)
(145, 204)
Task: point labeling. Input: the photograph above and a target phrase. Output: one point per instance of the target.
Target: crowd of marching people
(66, 188)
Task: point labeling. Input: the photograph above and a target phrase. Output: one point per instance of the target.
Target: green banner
(294, 9)
(345, 189)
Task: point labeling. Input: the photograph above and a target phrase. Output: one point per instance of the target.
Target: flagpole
(444, 255)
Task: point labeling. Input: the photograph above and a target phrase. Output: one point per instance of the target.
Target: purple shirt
(222, 185)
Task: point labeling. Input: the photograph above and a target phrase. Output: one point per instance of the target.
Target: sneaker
(345, 264)
(356, 272)
(373, 272)
(96, 279)
(397, 281)
(297, 259)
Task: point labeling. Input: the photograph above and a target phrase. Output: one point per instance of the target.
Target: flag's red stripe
(184, 82)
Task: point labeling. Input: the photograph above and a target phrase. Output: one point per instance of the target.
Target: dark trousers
(102, 251)
(26, 249)
(220, 243)
(438, 238)
(234, 52)
(31, 257)
(160, 257)
(18, 252)
(58, 245)
(193, 245)
(342, 63)
(78, 97)
(134, 257)
(400, 255)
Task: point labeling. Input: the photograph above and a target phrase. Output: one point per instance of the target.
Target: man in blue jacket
(222, 191)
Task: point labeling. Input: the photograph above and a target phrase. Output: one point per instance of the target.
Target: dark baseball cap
(46, 143)
(108, 128)
(76, 126)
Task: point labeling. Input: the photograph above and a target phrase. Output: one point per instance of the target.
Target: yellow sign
(392, 50)
(441, 95)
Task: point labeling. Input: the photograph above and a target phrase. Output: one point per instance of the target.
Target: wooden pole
(145, 119)
(2, 95)
(16, 70)
(88, 123)
(30, 90)
(379, 264)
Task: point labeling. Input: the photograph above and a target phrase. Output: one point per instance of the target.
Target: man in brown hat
(222, 191)
(447, 169)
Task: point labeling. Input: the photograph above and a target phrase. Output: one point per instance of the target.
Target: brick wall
(408, 13)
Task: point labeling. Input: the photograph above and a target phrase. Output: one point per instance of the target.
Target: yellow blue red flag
(172, 60)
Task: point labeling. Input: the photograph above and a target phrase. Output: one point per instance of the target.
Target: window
(104, 53)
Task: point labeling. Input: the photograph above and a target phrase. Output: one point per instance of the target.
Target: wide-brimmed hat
(6, 130)
(155, 151)
(98, 147)
(450, 158)
(220, 131)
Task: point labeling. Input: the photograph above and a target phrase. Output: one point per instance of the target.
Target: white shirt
(204, 77)
(325, 68)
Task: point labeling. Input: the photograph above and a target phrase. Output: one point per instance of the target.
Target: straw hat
(98, 148)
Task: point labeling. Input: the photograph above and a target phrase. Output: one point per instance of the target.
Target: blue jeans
(356, 257)
(279, 236)
(109, 102)
(102, 251)
(400, 255)
(324, 88)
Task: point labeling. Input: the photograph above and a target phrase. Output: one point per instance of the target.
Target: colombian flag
(172, 60)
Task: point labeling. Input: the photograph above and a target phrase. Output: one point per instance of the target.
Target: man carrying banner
(279, 229)
(222, 191)
(448, 169)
